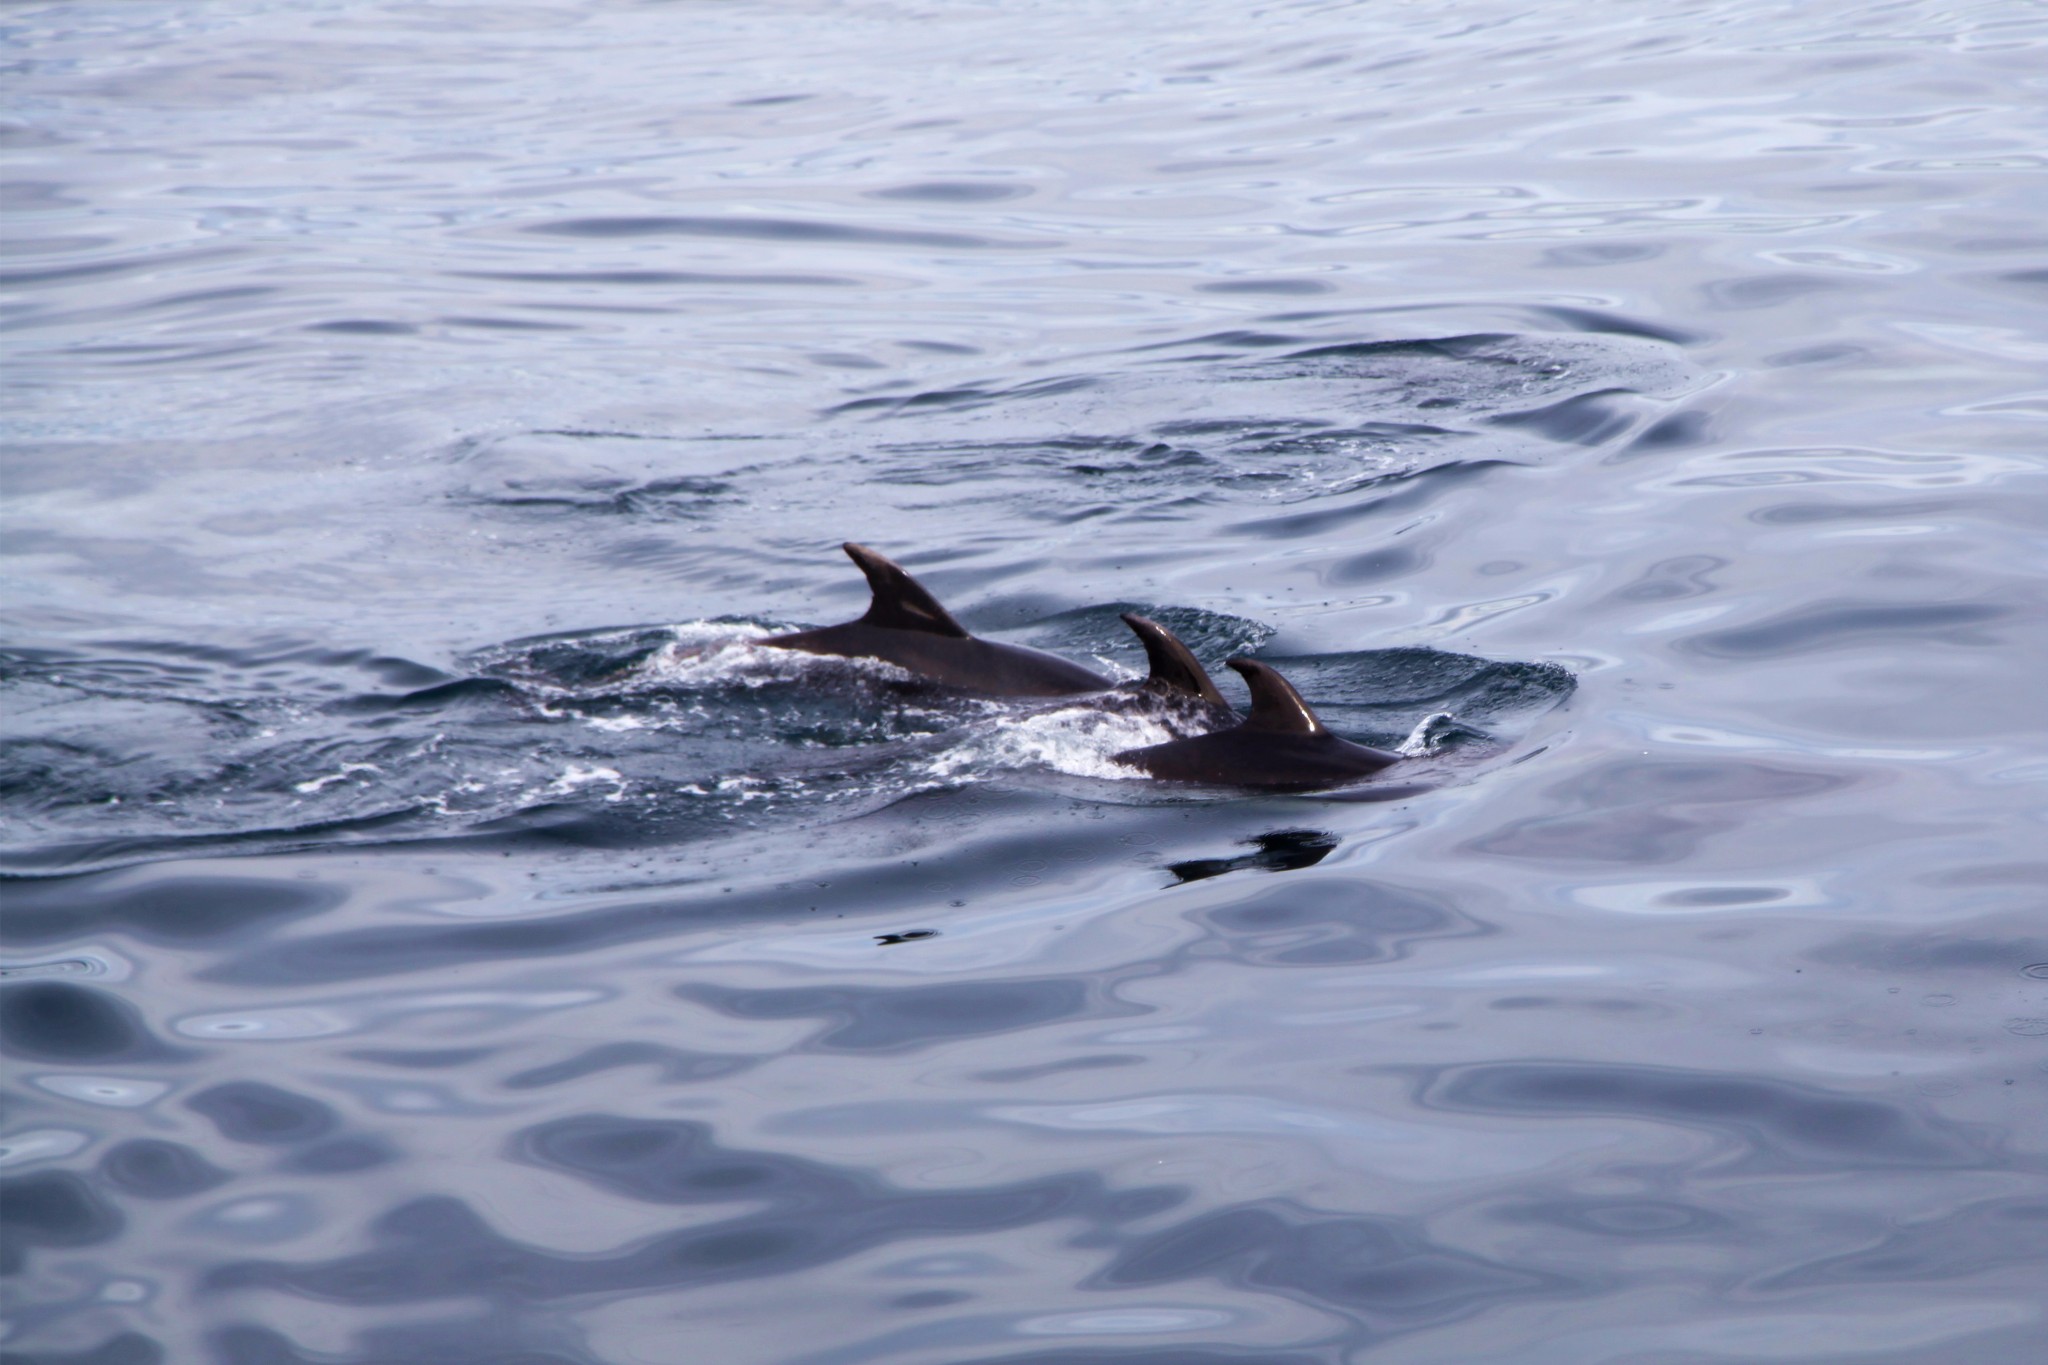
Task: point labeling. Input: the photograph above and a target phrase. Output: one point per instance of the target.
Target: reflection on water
(435, 932)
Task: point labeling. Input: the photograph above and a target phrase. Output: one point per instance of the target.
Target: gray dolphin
(1175, 671)
(1280, 744)
(906, 626)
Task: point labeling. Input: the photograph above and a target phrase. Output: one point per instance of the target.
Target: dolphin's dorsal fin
(901, 602)
(1276, 706)
(1174, 667)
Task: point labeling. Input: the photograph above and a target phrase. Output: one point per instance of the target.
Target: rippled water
(435, 933)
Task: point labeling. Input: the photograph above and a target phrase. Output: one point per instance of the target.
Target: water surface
(434, 932)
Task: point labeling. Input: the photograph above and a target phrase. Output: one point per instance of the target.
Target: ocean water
(434, 932)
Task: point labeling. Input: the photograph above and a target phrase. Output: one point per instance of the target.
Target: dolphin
(1175, 670)
(1281, 744)
(906, 626)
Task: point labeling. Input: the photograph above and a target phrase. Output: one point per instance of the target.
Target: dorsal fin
(1174, 667)
(901, 602)
(1276, 705)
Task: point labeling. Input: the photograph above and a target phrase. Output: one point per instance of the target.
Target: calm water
(434, 934)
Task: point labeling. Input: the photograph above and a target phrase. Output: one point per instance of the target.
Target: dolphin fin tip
(1174, 666)
(1275, 704)
(899, 601)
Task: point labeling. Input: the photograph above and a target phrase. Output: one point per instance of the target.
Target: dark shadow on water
(1284, 850)
(54, 1209)
(889, 1019)
(795, 1214)
(1776, 1125)
(56, 1021)
(1330, 920)
(1383, 1270)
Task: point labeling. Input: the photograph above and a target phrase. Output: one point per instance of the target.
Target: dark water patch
(1831, 353)
(396, 950)
(66, 857)
(801, 1214)
(2018, 872)
(1382, 1271)
(657, 278)
(1770, 291)
(366, 327)
(1236, 338)
(662, 499)
(764, 230)
(1669, 580)
(1776, 1125)
(1933, 952)
(1380, 565)
(1468, 346)
(1014, 1075)
(54, 1209)
(1282, 850)
(340, 1156)
(1617, 324)
(1155, 1355)
(1326, 921)
(1822, 513)
(55, 1021)
(1396, 493)
(892, 1019)
(1589, 419)
(1273, 286)
(153, 1168)
(455, 696)
(1551, 1002)
(1629, 1220)
(157, 262)
(964, 397)
(671, 1066)
(1712, 897)
(360, 954)
(498, 1339)
(952, 192)
(1329, 411)
(1847, 623)
(268, 1115)
(497, 324)
(171, 909)
(581, 659)
(1603, 253)
(2004, 1235)
(422, 1059)
(125, 1348)
(1679, 431)
(1649, 810)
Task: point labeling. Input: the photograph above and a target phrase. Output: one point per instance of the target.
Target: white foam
(1078, 740)
(1428, 735)
(348, 770)
(715, 654)
(575, 778)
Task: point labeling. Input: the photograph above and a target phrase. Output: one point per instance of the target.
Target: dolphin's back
(1281, 744)
(906, 626)
(1247, 758)
(963, 663)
